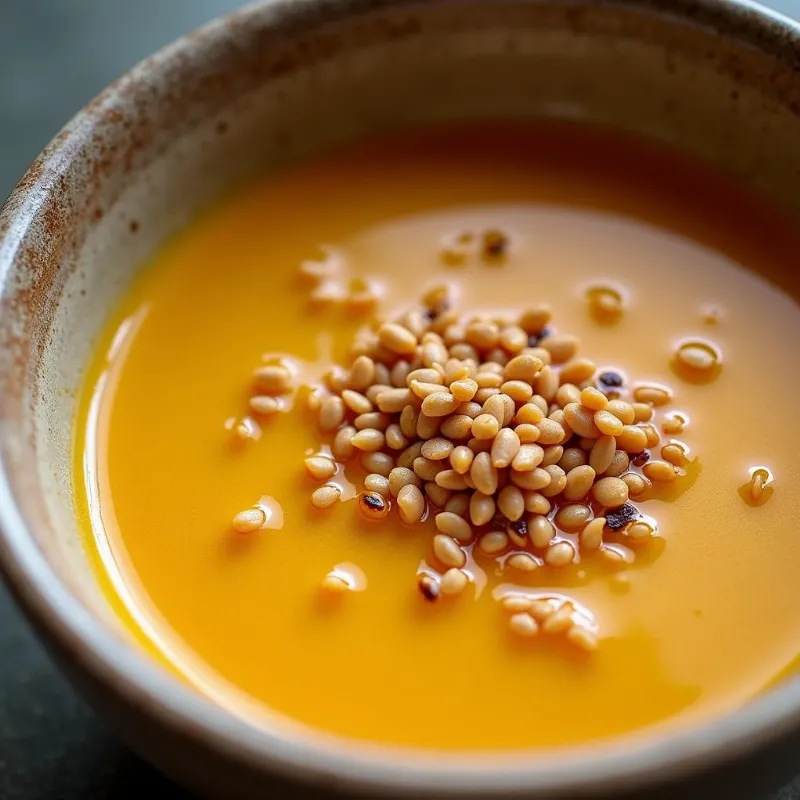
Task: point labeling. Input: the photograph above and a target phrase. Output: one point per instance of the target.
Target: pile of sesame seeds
(520, 450)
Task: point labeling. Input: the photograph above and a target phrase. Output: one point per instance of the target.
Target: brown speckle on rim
(133, 226)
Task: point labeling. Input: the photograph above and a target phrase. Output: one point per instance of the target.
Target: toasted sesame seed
(437, 495)
(493, 543)
(533, 320)
(376, 461)
(273, 379)
(458, 504)
(579, 482)
(552, 454)
(640, 530)
(632, 439)
(605, 304)
(591, 536)
(582, 420)
(511, 502)
(608, 424)
(561, 348)
(482, 334)
(578, 370)
(561, 620)
(558, 481)
(660, 471)
(437, 449)
(409, 455)
(454, 581)
(534, 480)
(674, 425)
(481, 508)
(484, 474)
(515, 603)
(547, 383)
(674, 453)
(450, 479)
(536, 503)
(523, 368)
(362, 373)
(464, 389)
(410, 504)
(263, 405)
(448, 551)
(573, 517)
(602, 454)
(356, 402)
(461, 458)
(377, 483)
(527, 433)
(550, 432)
(583, 637)
(400, 477)
(540, 530)
(369, 440)
(559, 554)
(698, 356)
(524, 625)
(568, 393)
(610, 492)
(392, 401)
(653, 394)
(529, 414)
(325, 496)
(454, 526)
(342, 447)
(619, 464)
(593, 399)
(505, 447)
(522, 562)
(636, 484)
(250, 520)
(397, 338)
(427, 469)
(331, 413)
(428, 427)
(439, 404)
(320, 468)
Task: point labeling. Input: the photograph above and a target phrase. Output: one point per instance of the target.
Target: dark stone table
(54, 56)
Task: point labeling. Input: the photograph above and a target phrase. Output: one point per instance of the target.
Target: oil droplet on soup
(561, 647)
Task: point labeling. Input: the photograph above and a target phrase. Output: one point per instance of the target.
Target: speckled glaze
(270, 84)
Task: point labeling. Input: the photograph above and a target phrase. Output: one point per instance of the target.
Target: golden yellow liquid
(702, 622)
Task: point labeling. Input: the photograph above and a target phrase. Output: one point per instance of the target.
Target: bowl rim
(330, 760)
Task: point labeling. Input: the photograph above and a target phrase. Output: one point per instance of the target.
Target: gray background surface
(55, 55)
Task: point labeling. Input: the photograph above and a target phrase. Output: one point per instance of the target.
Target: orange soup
(636, 253)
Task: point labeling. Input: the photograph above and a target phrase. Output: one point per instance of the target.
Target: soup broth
(699, 623)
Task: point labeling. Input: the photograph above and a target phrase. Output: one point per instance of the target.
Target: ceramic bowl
(271, 84)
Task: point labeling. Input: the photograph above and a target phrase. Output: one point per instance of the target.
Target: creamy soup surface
(703, 619)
